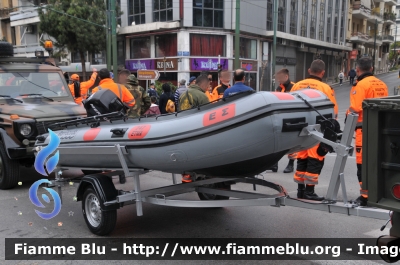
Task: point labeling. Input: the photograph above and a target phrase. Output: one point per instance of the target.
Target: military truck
(381, 162)
(33, 94)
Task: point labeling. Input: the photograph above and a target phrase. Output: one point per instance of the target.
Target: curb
(337, 84)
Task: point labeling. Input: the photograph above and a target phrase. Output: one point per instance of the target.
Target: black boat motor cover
(103, 102)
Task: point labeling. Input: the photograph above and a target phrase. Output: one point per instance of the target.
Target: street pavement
(19, 220)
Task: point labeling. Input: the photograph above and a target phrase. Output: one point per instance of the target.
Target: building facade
(370, 32)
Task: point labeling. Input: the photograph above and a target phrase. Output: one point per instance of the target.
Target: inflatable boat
(242, 135)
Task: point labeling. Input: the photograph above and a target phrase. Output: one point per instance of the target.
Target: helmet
(132, 80)
(75, 77)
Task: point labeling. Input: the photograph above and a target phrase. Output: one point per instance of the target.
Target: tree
(72, 23)
(392, 54)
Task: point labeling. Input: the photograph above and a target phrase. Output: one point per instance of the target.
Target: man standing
(153, 92)
(195, 96)
(239, 77)
(79, 90)
(181, 89)
(311, 161)
(120, 90)
(142, 99)
(123, 76)
(352, 75)
(367, 86)
(285, 85)
(218, 91)
(341, 76)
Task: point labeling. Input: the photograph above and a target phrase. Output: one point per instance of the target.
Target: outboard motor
(103, 102)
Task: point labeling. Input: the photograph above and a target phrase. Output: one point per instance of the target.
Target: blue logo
(35, 200)
(51, 163)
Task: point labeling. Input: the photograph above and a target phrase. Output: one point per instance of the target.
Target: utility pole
(108, 35)
(394, 48)
(237, 35)
(275, 17)
(373, 56)
(113, 16)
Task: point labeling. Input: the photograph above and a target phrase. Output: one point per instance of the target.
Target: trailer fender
(104, 188)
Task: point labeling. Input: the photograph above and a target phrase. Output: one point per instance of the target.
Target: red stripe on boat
(311, 93)
(219, 115)
(283, 96)
(91, 134)
(139, 131)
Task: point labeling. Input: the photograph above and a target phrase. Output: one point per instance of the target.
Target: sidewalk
(333, 83)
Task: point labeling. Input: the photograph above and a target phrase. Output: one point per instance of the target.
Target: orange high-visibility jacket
(315, 82)
(367, 86)
(120, 90)
(84, 88)
(218, 92)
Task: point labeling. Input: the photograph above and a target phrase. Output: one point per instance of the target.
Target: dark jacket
(194, 96)
(163, 101)
(285, 87)
(352, 73)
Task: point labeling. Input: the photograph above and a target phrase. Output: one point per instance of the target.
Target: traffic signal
(219, 68)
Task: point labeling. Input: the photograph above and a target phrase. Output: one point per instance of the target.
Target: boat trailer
(100, 199)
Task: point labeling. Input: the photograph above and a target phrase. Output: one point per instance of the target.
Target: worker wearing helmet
(311, 161)
(366, 86)
(79, 90)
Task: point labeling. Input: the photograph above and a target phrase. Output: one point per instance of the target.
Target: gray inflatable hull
(241, 136)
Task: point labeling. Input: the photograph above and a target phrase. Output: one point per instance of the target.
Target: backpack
(170, 107)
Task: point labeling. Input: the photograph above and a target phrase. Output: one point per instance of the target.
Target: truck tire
(98, 221)
(6, 49)
(9, 170)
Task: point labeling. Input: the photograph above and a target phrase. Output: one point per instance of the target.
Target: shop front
(210, 65)
(250, 68)
(168, 68)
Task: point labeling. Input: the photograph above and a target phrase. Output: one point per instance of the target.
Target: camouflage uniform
(141, 97)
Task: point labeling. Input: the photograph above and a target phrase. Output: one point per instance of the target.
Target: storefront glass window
(166, 45)
(140, 47)
(207, 45)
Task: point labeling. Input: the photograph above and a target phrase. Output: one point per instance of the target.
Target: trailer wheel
(91, 172)
(99, 222)
(213, 197)
(9, 170)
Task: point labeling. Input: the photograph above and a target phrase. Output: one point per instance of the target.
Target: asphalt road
(19, 220)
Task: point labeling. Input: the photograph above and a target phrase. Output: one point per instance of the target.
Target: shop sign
(207, 64)
(134, 65)
(169, 63)
(249, 65)
(280, 60)
(291, 61)
(183, 53)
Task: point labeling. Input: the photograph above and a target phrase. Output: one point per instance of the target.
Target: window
(121, 52)
(76, 57)
(140, 48)
(293, 17)
(162, 10)
(270, 12)
(99, 58)
(207, 45)
(208, 13)
(119, 19)
(282, 15)
(342, 16)
(313, 19)
(166, 45)
(304, 19)
(336, 22)
(329, 22)
(321, 20)
(136, 13)
(248, 48)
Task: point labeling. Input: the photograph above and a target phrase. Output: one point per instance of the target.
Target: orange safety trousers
(363, 193)
(309, 166)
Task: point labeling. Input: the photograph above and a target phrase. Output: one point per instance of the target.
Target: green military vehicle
(33, 94)
(381, 162)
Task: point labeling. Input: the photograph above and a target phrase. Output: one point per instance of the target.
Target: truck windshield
(15, 84)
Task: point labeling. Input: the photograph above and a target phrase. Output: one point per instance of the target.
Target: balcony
(387, 39)
(5, 12)
(359, 37)
(389, 18)
(24, 16)
(28, 50)
(361, 12)
(391, 2)
(375, 15)
(378, 40)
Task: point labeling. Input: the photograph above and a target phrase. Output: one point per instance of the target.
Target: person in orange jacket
(311, 161)
(120, 90)
(366, 86)
(218, 91)
(79, 90)
(285, 85)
